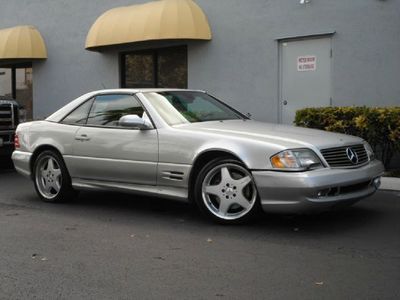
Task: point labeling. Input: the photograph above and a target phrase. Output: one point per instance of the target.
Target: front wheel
(51, 178)
(225, 191)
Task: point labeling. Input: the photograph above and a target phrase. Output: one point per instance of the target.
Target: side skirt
(148, 190)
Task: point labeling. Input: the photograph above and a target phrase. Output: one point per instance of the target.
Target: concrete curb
(390, 183)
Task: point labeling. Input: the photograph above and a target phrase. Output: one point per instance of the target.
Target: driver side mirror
(134, 121)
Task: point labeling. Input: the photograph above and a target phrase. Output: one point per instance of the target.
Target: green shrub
(380, 127)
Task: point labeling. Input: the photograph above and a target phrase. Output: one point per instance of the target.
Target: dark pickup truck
(9, 120)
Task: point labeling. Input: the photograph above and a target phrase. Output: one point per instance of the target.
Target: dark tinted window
(172, 68)
(139, 70)
(108, 109)
(79, 115)
(163, 68)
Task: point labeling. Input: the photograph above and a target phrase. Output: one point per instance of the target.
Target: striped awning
(158, 20)
(21, 43)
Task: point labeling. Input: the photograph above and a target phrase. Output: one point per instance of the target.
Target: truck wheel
(51, 178)
(226, 192)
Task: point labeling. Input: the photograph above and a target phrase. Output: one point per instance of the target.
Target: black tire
(65, 191)
(208, 206)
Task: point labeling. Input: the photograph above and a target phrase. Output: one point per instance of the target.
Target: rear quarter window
(79, 115)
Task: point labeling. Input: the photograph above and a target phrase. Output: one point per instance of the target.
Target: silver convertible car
(186, 144)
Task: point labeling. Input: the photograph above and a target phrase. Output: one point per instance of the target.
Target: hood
(284, 135)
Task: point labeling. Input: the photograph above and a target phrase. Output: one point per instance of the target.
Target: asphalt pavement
(117, 246)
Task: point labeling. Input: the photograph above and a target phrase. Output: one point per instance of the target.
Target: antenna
(102, 84)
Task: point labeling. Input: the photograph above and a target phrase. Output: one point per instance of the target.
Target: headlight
(296, 160)
(370, 152)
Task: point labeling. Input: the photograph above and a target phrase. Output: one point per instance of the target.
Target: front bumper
(316, 190)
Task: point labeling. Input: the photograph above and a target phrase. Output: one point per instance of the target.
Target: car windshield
(179, 107)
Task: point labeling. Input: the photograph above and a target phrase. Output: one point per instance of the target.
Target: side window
(108, 109)
(79, 115)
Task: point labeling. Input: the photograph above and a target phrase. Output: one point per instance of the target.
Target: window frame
(13, 67)
(76, 108)
(240, 114)
(93, 99)
(155, 54)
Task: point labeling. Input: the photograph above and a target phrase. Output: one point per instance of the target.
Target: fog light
(377, 182)
(323, 193)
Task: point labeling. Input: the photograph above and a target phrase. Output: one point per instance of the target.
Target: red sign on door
(306, 63)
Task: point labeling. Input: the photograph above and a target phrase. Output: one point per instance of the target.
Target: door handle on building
(284, 102)
(82, 137)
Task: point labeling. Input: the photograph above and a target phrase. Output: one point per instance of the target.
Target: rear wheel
(225, 191)
(51, 178)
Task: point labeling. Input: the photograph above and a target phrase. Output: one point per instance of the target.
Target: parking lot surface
(116, 246)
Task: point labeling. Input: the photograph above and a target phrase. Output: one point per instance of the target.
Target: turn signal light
(296, 160)
(284, 160)
(277, 163)
(16, 142)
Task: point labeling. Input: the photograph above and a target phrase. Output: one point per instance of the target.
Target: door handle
(82, 137)
(284, 102)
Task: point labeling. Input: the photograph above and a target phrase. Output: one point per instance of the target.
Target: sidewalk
(390, 183)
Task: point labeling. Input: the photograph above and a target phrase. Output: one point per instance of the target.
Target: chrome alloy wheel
(48, 177)
(228, 191)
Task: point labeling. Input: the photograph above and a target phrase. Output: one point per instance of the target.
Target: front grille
(338, 157)
(6, 116)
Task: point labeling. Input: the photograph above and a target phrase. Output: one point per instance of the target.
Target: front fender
(252, 153)
(184, 147)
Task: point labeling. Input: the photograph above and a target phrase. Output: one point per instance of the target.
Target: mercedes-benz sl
(186, 144)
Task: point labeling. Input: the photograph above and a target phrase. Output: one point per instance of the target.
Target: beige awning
(21, 43)
(158, 20)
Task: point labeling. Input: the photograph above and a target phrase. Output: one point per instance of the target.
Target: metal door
(104, 150)
(117, 155)
(305, 75)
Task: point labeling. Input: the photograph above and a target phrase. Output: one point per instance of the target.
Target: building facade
(265, 57)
